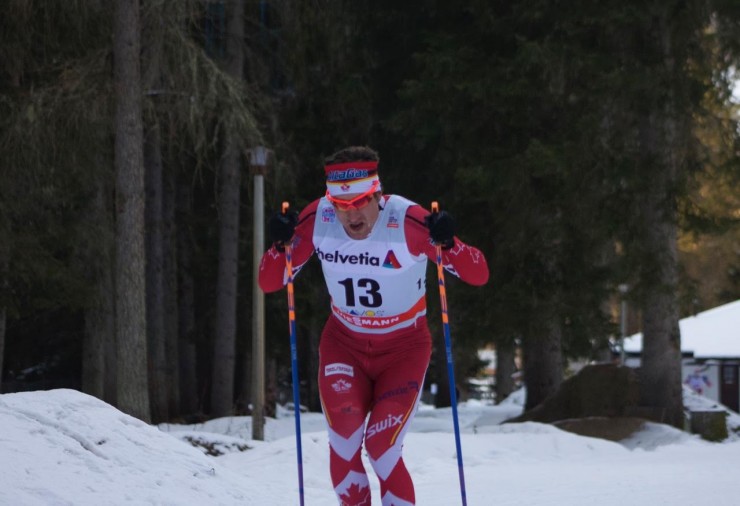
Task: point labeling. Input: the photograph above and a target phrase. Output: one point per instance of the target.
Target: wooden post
(258, 160)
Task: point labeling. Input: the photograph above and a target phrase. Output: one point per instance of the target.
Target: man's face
(358, 223)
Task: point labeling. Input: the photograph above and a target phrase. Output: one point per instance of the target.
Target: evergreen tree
(55, 143)
(528, 113)
(57, 127)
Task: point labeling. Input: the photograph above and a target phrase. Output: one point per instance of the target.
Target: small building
(710, 346)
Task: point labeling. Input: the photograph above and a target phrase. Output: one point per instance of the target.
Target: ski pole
(450, 366)
(294, 360)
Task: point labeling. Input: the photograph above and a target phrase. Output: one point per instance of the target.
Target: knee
(384, 434)
(383, 449)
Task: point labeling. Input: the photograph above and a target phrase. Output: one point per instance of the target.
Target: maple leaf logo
(356, 496)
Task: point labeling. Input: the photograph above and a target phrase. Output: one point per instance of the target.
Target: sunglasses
(359, 202)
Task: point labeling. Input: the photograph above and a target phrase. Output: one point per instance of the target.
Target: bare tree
(186, 303)
(222, 393)
(100, 316)
(169, 280)
(132, 388)
(155, 269)
(152, 55)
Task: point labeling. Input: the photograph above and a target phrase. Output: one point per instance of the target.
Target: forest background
(583, 146)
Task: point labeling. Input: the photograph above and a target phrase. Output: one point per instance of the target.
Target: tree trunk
(505, 369)
(132, 391)
(542, 341)
(187, 370)
(271, 388)
(660, 371)
(110, 378)
(169, 278)
(99, 327)
(155, 296)
(2, 344)
(100, 317)
(243, 391)
(155, 276)
(222, 394)
(4, 286)
(543, 360)
(315, 327)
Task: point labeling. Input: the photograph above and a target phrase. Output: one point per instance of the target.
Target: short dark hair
(353, 154)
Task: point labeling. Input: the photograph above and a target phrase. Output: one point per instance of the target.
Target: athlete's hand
(282, 227)
(441, 229)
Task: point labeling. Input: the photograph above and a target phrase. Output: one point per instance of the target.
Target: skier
(376, 346)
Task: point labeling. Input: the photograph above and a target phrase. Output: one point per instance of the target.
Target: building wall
(706, 375)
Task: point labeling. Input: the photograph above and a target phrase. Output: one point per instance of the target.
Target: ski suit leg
(360, 375)
(346, 395)
(397, 392)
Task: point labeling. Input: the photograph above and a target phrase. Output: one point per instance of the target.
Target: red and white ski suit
(376, 345)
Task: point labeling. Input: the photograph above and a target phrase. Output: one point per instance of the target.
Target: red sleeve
(272, 275)
(465, 262)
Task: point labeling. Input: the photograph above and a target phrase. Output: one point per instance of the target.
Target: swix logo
(378, 427)
(338, 368)
(338, 258)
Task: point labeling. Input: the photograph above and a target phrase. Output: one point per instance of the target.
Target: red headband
(352, 177)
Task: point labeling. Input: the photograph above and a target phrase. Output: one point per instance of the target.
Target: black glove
(441, 229)
(282, 227)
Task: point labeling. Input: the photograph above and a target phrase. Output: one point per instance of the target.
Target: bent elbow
(269, 286)
(482, 279)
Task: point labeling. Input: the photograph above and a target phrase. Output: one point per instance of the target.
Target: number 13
(371, 298)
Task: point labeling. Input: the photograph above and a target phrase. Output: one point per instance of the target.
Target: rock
(710, 425)
(600, 390)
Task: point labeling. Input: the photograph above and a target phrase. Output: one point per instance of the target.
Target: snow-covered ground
(62, 447)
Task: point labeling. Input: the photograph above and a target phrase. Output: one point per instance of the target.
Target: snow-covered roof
(711, 334)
